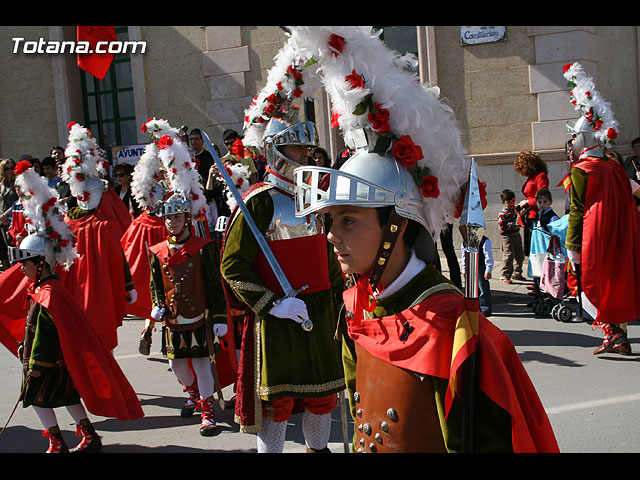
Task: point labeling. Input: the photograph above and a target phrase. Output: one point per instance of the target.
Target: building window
(116, 101)
(403, 39)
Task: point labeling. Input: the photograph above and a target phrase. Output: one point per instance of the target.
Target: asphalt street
(593, 402)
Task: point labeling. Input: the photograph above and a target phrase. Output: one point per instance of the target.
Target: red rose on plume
(407, 152)
(240, 181)
(144, 128)
(429, 187)
(165, 141)
(273, 98)
(269, 109)
(567, 67)
(334, 119)
(71, 124)
(63, 243)
(354, 80)
(612, 134)
(336, 44)
(54, 235)
(21, 167)
(237, 148)
(380, 119)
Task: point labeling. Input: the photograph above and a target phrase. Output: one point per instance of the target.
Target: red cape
(144, 228)
(96, 278)
(501, 375)
(13, 307)
(95, 373)
(610, 259)
(112, 206)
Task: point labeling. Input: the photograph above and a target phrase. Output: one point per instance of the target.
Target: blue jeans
(484, 294)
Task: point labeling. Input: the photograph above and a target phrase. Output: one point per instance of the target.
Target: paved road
(593, 402)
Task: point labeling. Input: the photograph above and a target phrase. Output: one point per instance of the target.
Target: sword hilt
(307, 325)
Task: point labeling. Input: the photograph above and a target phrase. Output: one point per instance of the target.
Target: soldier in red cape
(603, 231)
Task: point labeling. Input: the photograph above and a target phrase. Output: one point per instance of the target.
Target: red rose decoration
(612, 134)
(354, 80)
(407, 152)
(237, 148)
(336, 44)
(71, 124)
(334, 119)
(165, 141)
(429, 187)
(297, 92)
(63, 243)
(273, 98)
(566, 67)
(144, 128)
(21, 167)
(54, 235)
(380, 119)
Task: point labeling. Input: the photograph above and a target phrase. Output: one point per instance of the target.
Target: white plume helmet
(371, 92)
(593, 109)
(179, 165)
(44, 217)
(287, 80)
(84, 166)
(144, 180)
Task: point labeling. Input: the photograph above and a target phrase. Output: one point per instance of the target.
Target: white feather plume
(589, 103)
(414, 110)
(240, 174)
(84, 159)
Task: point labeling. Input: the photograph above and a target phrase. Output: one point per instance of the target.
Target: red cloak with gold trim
(95, 373)
(428, 351)
(96, 278)
(610, 254)
(144, 228)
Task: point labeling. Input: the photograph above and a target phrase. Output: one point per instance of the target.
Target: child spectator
(512, 249)
(544, 216)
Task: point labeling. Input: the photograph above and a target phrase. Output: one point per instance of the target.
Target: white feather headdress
(144, 183)
(590, 104)
(84, 159)
(370, 90)
(179, 164)
(239, 173)
(287, 80)
(43, 214)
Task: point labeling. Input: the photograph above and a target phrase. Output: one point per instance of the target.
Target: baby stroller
(548, 259)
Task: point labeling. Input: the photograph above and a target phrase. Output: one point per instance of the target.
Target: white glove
(132, 296)
(574, 256)
(219, 329)
(157, 313)
(292, 308)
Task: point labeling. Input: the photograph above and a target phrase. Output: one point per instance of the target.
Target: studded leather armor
(395, 409)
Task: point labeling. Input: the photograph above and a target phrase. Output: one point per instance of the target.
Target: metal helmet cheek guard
(278, 134)
(91, 197)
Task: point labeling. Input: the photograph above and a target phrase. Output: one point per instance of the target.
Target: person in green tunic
(293, 369)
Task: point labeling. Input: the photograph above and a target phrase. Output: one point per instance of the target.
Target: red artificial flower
(566, 67)
(63, 243)
(336, 44)
(297, 92)
(334, 119)
(54, 235)
(195, 196)
(380, 119)
(21, 167)
(407, 152)
(273, 98)
(238, 148)
(71, 124)
(165, 141)
(279, 85)
(240, 181)
(598, 124)
(429, 187)
(80, 176)
(269, 109)
(354, 80)
(612, 134)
